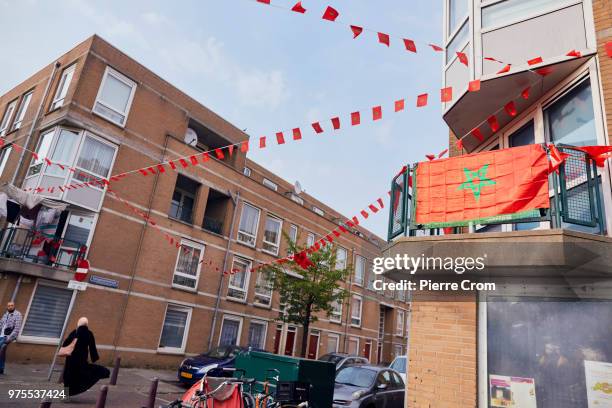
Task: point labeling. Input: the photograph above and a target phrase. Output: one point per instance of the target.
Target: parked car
(193, 369)
(367, 386)
(343, 360)
(399, 365)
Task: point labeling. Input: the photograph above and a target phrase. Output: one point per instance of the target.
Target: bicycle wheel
(247, 400)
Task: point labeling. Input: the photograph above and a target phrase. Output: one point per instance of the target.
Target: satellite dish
(297, 187)
(191, 137)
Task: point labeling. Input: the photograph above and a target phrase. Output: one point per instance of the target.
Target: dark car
(367, 386)
(342, 360)
(212, 363)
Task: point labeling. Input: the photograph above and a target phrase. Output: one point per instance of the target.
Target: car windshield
(399, 365)
(356, 376)
(332, 358)
(219, 352)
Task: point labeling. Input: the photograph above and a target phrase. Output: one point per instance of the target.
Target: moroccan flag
(494, 185)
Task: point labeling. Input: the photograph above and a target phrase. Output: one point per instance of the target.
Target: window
(293, 236)
(522, 137)
(399, 365)
(356, 306)
(272, 235)
(319, 211)
(397, 350)
(458, 42)
(353, 346)
(114, 97)
(230, 331)
(4, 156)
(359, 270)
(239, 280)
(297, 199)
(270, 184)
(44, 144)
(310, 239)
(78, 228)
(95, 159)
(6, 119)
(62, 87)
(246, 171)
(187, 269)
(332, 343)
(571, 119)
(371, 279)
(249, 221)
(47, 311)
(263, 290)
(336, 313)
(183, 199)
(340, 258)
(457, 12)
(175, 329)
(399, 323)
(509, 11)
(25, 102)
(257, 335)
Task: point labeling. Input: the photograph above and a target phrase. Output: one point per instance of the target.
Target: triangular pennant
(436, 48)
(219, 154)
(525, 93)
(504, 69)
(356, 30)
(205, 157)
(230, 150)
(298, 8)
(510, 108)
(535, 61)
(493, 123)
(331, 14)
(462, 57)
(244, 146)
(477, 134)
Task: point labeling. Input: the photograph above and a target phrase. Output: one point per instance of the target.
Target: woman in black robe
(79, 374)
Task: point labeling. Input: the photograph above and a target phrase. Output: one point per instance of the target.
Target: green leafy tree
(307, 292)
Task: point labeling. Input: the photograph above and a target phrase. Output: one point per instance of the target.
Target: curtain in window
(47, 312)
(188, 261)
(271, 233)
(229, 333)
(238, 279)
(115, 94)
(174, 328)
(332, 344)
(248, 220)
(256, 335)
(96, 157)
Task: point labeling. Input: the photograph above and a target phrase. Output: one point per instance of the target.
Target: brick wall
(602, 14)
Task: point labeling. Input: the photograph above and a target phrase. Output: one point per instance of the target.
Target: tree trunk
(306, 327)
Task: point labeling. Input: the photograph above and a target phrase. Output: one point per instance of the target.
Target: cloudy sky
(265, 69)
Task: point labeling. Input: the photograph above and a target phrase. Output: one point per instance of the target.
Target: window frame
(318, 211)
(191, 245)
(275, 245)
(247, 277)
(310, 236)
(297, 199)
(449, 35)
(399, 323)
(175, 350)
(363, 274)
(20, 113)
(561, 4)
(258, 295)
(332, 336)
(348, 341)
(5, 153)
(338, 251)
(248, 234)
(63, 86)
(234, 318)
(265, 332)
(184, 194)
(8, 117)
(360, 318)
(125, 80)
(270, 184)
(246, 171)
(333, 314)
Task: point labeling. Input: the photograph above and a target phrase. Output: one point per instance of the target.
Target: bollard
(101, 401)
(115, 373)
(45, 404)
(152, 393)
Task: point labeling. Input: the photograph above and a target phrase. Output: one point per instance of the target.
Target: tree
(307, 292)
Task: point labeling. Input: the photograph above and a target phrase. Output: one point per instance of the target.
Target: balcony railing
(33, 246)
(213, 225)
(575, 202)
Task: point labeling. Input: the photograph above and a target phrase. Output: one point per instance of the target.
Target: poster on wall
(599, 383)
(513, 392)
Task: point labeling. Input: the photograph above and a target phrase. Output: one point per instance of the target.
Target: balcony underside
(37, 270)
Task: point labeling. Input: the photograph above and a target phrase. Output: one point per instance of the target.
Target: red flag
(264, 1)
(491, 59)
(194, 160)
(608, 47)
(462, 58)
(510, 108)
(356, 30)
(399, 105)
(364, 214)
(545, 71)
(317, 127)
(161, 168)
(172, 165)
(219, 154)
(280, 139)
(143, 172)
(230, 150)
(336, 233)
(298, 8)
(474, 86)
(556, 158)
(297, 134)
(535, 61)
(244, 146)
(574, 53)
(183, 163)
(302, 260)
(430, 156)
(376, 113)
(446, 94)
(373, 208)
(493, 123)
(421, 100)
(335, 123)
(477, 134)
(355, 118)
(598, 154)
(330, 14)
(355, 220)
(504, 69)
(19, 149)
(436, 48)
(525, 93)
(262, 142)
(383, 39)
(410, 46)
(442, 153)
(205, 157)
(49, 163)
(380, 203)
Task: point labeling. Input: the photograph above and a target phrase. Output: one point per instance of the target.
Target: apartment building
(99, 111)
(538, 343)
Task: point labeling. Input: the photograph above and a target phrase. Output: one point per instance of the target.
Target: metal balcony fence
(575, 201)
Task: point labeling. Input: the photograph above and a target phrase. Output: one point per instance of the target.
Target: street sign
(98, 280)
(73, 284)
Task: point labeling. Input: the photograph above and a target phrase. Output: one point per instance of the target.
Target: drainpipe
(236, 200)
(348, 307)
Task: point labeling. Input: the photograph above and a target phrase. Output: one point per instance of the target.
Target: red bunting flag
(355, 118)
(442, 153)
(421, 100)
(608, 47)
(161, 168)
(462, 58)
(376, 113)
(556, 158)
(317, 127)
(574, 53)
(244, 146)
(380, 203)
(525, 93)
(504, 69)
(331, 14)
(302, 260)
(280, 139)
(430, 157)
(172, 165)
(262, 142)
(264, 1)
(142, 171)
(491, 59)
(336, 233)
(436, 48)
(364, 214)
(535, 61)
(493, 123)
(19, 149)
(399, 105)
(205, 157)
(477, 134)
(297, 134)
(219, 154)
(474, 86)
(298, 8)
(510, 108)
(446, 94)
(410, 45)
(384, 39)
(356, 30)
(49, 163)
(335, 123)
(194, 160)
(183, 163)
(373, 208)
(459, 144)
(599, 154)
(545, 71)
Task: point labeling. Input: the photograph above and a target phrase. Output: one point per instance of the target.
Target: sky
(266, 69)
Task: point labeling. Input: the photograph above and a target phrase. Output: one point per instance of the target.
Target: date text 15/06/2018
(427, 284)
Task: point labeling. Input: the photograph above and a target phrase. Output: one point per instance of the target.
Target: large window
(230, 331)
(510, 11)
(458, 43)
(115, 97)
(187, 269)
(257, 334)
(341, 258)
(356, 309)
(4, 156)
(457, 12)
(95, 160)
(62, 87)
(249, 221)
(239, 280)
(360, 267)
(263, 290)
(272, 235)
(77, 232)
(183, 199)
(23, 107)
(174, 331)
(6, 118)
(47, 311)
(336, 313)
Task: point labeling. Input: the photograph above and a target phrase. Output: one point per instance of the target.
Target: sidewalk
(131, 390)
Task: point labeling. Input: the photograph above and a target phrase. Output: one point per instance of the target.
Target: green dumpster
(319, 374)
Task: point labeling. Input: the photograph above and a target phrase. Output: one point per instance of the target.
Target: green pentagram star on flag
(481, 176)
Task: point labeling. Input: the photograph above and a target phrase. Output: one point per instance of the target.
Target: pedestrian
(79, 374)
(10, 325)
